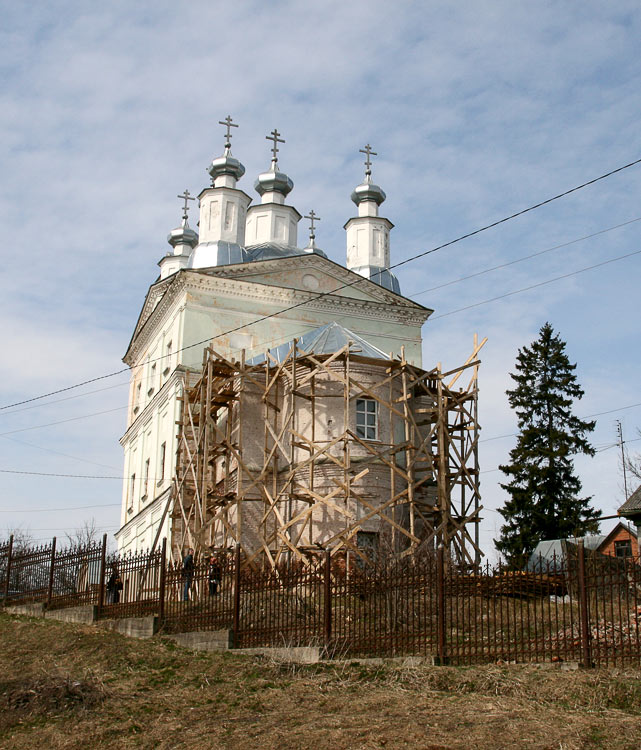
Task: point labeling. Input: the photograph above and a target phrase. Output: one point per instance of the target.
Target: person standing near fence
(188, 572)
(214, 575)
(114, 586)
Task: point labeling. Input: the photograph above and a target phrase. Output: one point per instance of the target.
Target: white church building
(242, 284)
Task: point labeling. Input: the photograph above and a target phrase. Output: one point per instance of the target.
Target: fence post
(441, 657)
(51, 571)
(236, 595)
(584, 608)
(6, 583)
(327, 596)
(163, 565)
(103, 566)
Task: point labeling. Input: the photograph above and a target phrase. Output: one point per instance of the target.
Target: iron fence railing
(582, 607)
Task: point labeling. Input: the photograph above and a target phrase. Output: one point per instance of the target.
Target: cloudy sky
(476, 110)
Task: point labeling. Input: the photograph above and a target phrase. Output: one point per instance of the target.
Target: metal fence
(582, 607)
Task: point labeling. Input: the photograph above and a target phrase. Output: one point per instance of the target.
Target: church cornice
(235, 281)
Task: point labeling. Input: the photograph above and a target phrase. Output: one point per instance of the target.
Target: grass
(74, 686)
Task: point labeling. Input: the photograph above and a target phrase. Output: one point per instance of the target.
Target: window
(137, 395)
(146, 478)
(367, 418)
(161, 463)
(132, 489)
(152, 379)
(623, 548)
(167, 366)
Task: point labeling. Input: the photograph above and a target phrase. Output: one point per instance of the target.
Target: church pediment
(313, 274)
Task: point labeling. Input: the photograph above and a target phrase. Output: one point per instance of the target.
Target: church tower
(368, 251)
(242, 284)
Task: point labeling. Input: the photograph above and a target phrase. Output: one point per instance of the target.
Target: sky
(476, 111)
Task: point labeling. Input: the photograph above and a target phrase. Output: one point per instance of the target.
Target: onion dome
(226, 165)
(273, 181)
(183, 235)
(368, 191)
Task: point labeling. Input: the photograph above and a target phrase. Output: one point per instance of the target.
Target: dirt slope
(64, 686)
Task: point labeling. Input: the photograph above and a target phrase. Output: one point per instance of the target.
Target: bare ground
(66, 686)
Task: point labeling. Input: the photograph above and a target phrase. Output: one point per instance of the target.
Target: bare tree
(633, 465)
(86, 534)
(22, 538)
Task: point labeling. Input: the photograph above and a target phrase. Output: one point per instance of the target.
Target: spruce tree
(545, 500)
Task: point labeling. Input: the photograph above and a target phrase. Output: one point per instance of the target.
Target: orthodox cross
(312, 218)
(273, 136)
(227, 122)
(186, 196)
(368, 163)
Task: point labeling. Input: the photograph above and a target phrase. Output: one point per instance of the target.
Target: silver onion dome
(183, 235)
(273, 181)
(368, 191)
(226, 165)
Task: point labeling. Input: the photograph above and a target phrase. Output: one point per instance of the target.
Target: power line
(50, 474)
(63, 421)
(58, 453)
(344, 286)
(535, 286)
(524, 258)
(47, 510)
(587, 416)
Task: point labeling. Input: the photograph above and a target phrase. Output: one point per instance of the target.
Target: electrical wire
(534, 286)
(524, 258)
(423, 254)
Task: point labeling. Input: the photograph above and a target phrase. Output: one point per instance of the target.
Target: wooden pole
(51, 571)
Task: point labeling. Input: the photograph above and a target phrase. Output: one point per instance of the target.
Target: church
(241, 297)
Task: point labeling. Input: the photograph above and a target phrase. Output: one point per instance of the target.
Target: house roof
(632, 506)
(551, 550)
(325, 340)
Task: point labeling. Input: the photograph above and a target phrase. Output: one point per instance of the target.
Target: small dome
(217, 253)
(312, 248)
(183, 235)
(367, 191)
(226, 165)
(381, 276)
(273, 181)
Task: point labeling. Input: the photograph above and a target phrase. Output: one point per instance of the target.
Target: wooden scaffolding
(272, 457)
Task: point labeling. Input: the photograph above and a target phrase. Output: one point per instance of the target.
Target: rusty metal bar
(161, 582)
(6, 583)
(440, 605)
(51, 571)
(327, 600)
(584, 608)
(236, 626)
(103, 568)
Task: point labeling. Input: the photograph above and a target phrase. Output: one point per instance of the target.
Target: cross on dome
(312, 218)
(186, 196)
(229, 124)
(273, 136)
(368, 163)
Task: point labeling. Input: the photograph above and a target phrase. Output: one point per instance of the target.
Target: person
(214, 575)
(114, 586)
(188, 572)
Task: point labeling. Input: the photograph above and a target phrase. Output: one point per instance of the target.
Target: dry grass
(64, 686)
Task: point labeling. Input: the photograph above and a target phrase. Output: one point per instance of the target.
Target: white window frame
(367, 427)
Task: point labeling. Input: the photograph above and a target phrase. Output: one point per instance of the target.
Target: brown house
(620, 542)
(631, 509)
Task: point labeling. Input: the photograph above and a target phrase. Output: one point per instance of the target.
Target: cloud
(476, 111)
